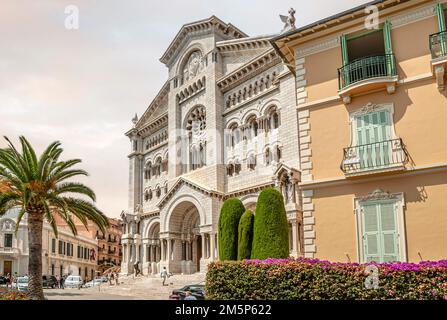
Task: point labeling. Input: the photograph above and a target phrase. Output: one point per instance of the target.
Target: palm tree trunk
(35, 225)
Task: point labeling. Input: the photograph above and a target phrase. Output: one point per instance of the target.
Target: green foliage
(311, 279)
(230, 215)
(245, 235)
(270, 232)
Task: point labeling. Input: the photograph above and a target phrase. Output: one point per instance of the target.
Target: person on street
(164, 275)
(189, 296)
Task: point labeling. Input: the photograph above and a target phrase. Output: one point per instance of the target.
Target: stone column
(212, 239)
(168, 255)
(294, 239)
(145, 256)
(203, 246)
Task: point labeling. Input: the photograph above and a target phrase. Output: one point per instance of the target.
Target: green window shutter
(389, 237)
(345, 58)
(441, 18)
(373, 139)
(388, 48)
(371, 240)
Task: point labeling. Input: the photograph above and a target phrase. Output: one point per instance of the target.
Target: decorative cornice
(317, 47)
(378, 194)
(236, 45)
(212, 24)
(248, 70)
(154, 126)
(410, 17)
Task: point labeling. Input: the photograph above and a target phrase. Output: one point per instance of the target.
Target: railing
(374, 156)
(9, 250)
(366, 68)
(438, 44)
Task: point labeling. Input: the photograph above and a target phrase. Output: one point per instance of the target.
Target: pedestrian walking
(164, 275)
(62, 282)
(8, 280)
(116, 279)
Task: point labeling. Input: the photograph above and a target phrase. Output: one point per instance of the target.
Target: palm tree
(39, 187)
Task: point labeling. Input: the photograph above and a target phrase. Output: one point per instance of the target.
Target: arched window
(148, 195)
(158, 192)
(158, 166)
(278, 154)
(234, 135)
(251, 162)
(147, 171)
(268, 157)
(253, 127)
(166, 188)
(196, 127)
(230, 169)
(193, 65)
(237, 167)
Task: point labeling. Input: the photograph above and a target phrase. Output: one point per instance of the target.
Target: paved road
(83, 294)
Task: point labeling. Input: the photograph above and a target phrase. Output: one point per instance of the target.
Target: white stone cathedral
(223, 125)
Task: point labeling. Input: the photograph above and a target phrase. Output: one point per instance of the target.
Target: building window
(375, 144)
(366, 55)
(52, 269)
(53, 245)
(79, 252)
(380, 224)
(60, 247)
(251, 162)
(268, 157)
(8, 240)
(61, 270)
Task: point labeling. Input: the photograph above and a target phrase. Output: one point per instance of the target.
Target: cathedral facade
(223, 125)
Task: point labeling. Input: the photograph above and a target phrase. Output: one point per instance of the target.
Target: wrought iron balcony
(366, 68)
(379, 156)
(438, 45)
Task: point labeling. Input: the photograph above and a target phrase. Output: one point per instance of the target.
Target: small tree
(230, 214)
(270, 232)
(245, 235)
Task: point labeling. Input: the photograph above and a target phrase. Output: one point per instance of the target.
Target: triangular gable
(157, 107)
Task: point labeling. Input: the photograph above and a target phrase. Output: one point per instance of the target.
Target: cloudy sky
(83, 86)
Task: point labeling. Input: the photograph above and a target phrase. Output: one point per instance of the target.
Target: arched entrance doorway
(183, 243)
(152, 250)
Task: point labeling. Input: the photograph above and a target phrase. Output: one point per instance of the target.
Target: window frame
(371, 108)
(399, 201)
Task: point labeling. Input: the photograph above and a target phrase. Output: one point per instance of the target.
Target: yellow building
(372, 112)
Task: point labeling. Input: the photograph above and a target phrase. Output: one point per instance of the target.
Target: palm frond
(19, 218)
(73, 187)
(29, 156)
(8, 200)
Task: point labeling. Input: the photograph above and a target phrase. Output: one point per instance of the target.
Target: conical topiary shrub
(230, 214)
(245, 235)
(270, 231)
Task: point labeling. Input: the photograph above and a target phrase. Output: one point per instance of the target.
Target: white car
(22, 284)
(96, 282)
(73, 282)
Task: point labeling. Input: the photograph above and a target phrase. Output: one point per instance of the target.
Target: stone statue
(135, 119)
(289, 21)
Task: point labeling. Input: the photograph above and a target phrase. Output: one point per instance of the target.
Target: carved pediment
(378, 194)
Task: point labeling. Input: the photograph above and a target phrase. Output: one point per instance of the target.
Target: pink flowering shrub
(12, 295)
(312, 279)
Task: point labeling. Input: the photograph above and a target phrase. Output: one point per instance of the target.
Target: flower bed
(12, 295)
(284, 279)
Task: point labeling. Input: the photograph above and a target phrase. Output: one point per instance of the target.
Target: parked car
(197, 290)
(73, 282)
(49, 281)
(22, 284)
(95, 282)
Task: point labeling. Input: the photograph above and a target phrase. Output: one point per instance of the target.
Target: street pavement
(130, 288)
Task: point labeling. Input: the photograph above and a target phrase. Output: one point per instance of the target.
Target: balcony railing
(438, 44)
(9, 250)
(382, 155)
(366, 68)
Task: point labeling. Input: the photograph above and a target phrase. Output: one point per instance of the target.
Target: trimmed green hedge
(312, 279)
(230, 215)
(245, 235)
(270, 231)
